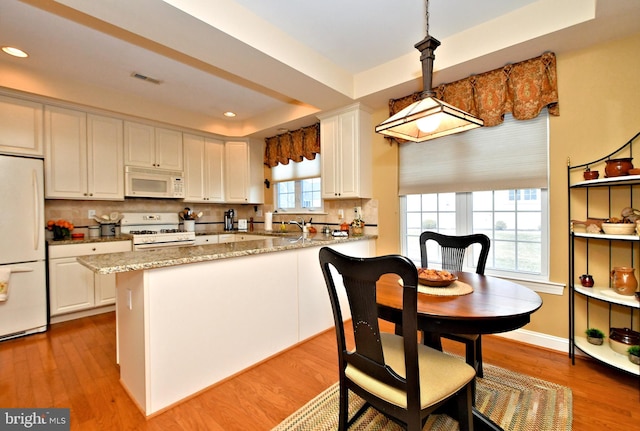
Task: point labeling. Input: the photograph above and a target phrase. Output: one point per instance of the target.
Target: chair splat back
(359, 278)
(453, 249)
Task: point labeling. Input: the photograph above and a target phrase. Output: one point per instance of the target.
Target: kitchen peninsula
(189, 317)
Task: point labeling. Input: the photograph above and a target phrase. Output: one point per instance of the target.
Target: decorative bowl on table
(619, 228)
(435, 278)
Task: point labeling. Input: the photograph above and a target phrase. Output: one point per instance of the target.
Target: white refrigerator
(23, 309)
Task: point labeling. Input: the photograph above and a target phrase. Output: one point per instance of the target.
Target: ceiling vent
(146, 78)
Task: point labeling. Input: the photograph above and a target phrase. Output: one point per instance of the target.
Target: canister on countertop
(268, 221)
(108, 229)
(94, 231)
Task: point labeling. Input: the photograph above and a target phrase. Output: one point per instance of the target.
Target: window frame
(298, 198)
(464, 226)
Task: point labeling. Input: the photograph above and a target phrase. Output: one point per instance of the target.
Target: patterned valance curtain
(294, 145)
(522, 89)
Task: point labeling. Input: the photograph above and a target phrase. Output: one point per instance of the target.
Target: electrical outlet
(341, 213)
(91, 213)
(259, 212)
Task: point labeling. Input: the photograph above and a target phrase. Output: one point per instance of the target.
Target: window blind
(296, 170)
(513, 155)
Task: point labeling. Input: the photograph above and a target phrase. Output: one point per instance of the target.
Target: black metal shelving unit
(627, 246)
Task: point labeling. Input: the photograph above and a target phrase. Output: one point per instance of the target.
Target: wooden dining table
(495, 305)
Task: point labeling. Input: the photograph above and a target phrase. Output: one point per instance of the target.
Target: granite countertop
(87, 240)
(159, 258)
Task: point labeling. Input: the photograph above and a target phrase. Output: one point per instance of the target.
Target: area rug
(514, 401)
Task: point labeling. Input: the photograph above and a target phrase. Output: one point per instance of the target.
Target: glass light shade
(429, 124)
(404, 124)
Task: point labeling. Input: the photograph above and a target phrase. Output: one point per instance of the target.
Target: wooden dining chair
(453, 250)
(394, 374)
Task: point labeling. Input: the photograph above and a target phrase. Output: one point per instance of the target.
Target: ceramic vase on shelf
(623, 280)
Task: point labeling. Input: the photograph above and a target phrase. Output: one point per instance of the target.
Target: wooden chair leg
(463, 407)
(343, 414)
(478, 349)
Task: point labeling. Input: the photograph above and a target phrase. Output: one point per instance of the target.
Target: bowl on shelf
(591, 175)
(618, 167)
(620, 339)
(619, 228)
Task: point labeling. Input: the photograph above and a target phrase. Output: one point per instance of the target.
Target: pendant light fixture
(428, 118)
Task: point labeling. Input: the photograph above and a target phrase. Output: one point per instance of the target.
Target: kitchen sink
(303, 239)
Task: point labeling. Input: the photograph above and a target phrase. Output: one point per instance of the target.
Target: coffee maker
(228, 219)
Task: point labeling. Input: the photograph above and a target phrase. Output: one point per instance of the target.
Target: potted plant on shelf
(595, 336)
(634, 354)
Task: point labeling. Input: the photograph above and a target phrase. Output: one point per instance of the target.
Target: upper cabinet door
(194, 161)
(20, 127)
(169, 149)
(139, 145)
(65, 153)
(214, 170)
(105, 155)
(236, 155)
(329, 143)
(346, 153)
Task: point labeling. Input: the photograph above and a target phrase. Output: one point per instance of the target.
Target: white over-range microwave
(153, 183)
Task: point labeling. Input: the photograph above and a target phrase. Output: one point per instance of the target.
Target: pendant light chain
(426, 6)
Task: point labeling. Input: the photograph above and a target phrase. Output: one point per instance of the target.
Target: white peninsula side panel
(184, 328)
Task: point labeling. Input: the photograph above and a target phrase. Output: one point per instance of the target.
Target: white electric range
(155, 230)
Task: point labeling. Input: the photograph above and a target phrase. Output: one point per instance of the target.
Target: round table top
(492, 301)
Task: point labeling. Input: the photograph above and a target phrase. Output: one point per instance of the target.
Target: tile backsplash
(212, 219)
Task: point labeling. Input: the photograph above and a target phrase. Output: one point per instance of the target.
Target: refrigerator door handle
(36, 209)
(20, 269)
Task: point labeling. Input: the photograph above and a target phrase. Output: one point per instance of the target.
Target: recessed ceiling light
(15, 51)
(229, 114)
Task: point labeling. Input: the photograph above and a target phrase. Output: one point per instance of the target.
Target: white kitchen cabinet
(152, 147)
(345, 139)
(20, 127)
(203, 169)
(244, 175)
(83, 155)
(206, 239)
(75, 288)
(248, 237)
(226, 237)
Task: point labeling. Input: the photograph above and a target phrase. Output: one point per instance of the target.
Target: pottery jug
(623, 280)
(586, 280)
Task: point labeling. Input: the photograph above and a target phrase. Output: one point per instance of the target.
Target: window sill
(539, 286)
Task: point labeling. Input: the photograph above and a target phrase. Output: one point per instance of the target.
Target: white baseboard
(539, 339)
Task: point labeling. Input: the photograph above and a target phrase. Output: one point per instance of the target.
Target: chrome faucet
(300, 223)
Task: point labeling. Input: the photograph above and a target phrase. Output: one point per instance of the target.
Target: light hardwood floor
(73, 365)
